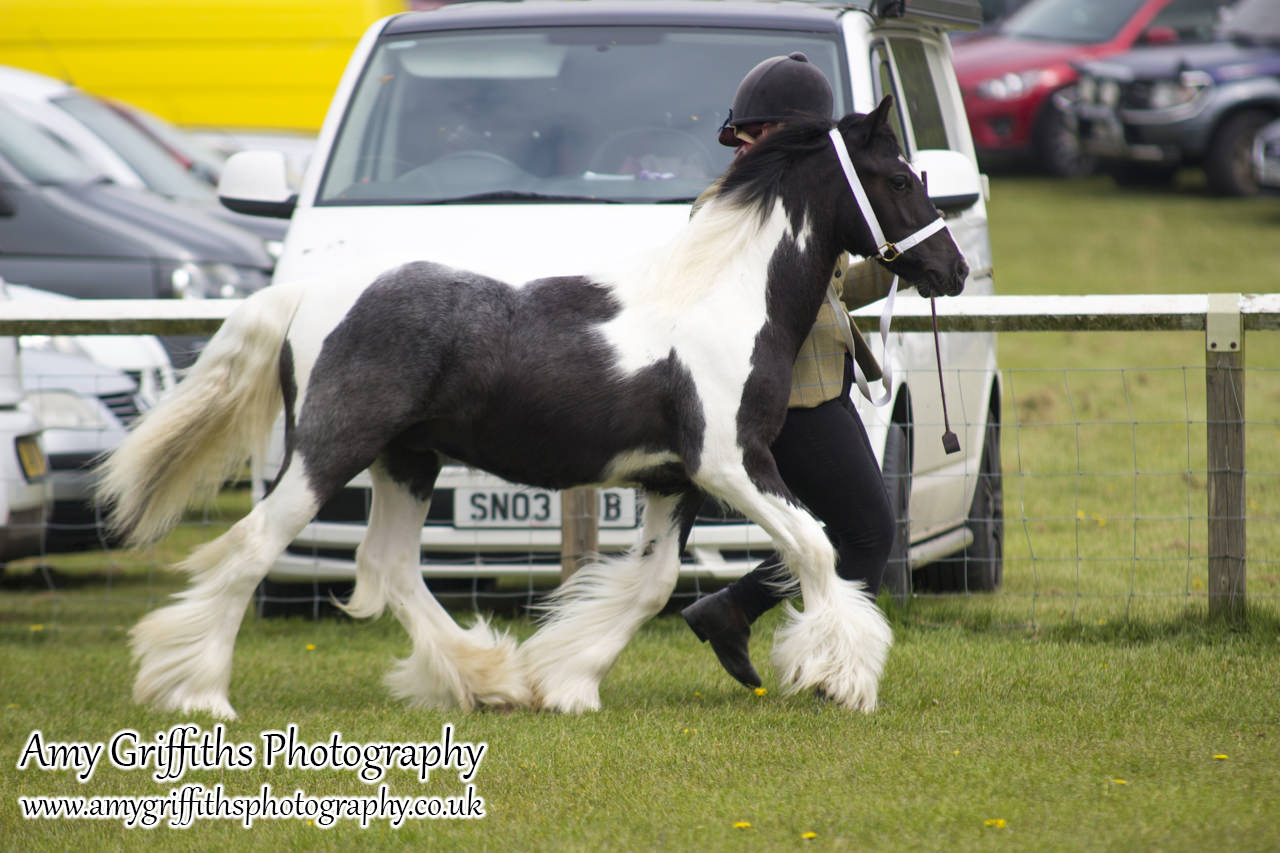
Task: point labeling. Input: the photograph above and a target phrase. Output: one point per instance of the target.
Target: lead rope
(950, 442)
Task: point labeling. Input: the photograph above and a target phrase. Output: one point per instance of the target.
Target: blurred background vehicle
(86, 391)
(25, 496)
(1010, 76)
(1147, 113)
(1266, 156)
(112, 138)
(66, 228)
(993, 14)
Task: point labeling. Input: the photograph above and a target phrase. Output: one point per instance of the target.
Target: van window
(919, 93)
(573, 113)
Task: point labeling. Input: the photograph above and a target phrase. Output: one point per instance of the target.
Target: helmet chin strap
(888, 252)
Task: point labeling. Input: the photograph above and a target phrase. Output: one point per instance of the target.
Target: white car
(25, 493)
(86, 390)
(533, 139)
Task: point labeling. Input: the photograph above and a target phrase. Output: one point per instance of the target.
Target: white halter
(888, 252)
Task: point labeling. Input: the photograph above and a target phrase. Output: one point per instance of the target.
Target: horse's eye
(899, 182)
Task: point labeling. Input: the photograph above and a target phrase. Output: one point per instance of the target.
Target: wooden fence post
(1224, 430)
(579, 529)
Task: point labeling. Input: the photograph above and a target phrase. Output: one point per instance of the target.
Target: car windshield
(563, 114)
(41, 157)
(154, 165)
(1075, 21)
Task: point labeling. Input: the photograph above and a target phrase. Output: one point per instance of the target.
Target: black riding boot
(719, 619)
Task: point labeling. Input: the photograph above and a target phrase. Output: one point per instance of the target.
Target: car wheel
(1228, 162)
(1143, 175)
(897, 484)
(979, 567)
(1057, 148)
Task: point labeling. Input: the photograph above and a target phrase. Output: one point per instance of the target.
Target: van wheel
(897, 485)
(979, 567)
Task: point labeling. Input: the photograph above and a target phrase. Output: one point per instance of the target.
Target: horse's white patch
(624, 467)
(703, 297)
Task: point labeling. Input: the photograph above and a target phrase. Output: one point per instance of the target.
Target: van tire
(980, 566)
(896, 470)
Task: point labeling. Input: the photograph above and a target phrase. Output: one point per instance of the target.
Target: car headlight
(1167, 94)
(1087, 89)
(1014, 85)
(66, 410)
(193, 280)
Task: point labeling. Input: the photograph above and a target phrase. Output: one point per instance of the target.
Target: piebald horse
(671, 376)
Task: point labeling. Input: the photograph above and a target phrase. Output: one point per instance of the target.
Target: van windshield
(627, 114)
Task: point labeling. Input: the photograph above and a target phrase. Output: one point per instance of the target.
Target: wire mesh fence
(1104, 513)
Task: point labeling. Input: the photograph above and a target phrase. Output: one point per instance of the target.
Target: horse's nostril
(962, 269)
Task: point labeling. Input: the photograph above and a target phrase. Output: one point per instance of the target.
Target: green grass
(977, 725)
(1082, 707)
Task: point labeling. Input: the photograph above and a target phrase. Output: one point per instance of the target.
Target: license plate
(32, 457)
(509, 506)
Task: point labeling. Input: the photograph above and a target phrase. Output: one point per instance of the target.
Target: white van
(540, 138)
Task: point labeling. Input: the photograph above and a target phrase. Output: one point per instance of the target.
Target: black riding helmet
(780, 88)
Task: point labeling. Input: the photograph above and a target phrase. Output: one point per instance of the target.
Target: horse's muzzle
(950, 283)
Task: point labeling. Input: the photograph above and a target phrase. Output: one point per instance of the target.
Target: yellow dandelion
(760, 691)
(1080, 514)
(311, 647)
(742, 824)
(1220, 757)
(809, 836)
(697, 695)
(995, 822)
(37, 627)
(1119, 782)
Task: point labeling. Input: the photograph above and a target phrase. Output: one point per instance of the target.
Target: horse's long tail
(205, 429)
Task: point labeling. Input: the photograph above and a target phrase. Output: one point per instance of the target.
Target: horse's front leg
(839, 643)
(595, 613)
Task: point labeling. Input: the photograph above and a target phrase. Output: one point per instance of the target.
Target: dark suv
(1148, 112)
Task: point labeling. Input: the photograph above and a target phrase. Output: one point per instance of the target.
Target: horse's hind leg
(184, 650)
(449, 667)
(596, 612)
(840, 642)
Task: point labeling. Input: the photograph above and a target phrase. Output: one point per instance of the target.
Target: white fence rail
(1224, 318)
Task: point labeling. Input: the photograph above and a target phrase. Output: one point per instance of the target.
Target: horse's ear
(880, 116)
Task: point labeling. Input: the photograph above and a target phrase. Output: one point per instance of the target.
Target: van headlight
(194, 280)
(66, 410)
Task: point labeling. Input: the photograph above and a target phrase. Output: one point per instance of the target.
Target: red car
(1010, 77)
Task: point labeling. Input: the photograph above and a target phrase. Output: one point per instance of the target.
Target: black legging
(826, 460)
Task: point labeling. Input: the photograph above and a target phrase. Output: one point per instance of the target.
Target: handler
(822, 452)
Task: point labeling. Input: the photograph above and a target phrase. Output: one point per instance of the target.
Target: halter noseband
(885, 250)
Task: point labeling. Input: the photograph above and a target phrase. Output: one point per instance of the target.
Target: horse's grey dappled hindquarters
(671, 374)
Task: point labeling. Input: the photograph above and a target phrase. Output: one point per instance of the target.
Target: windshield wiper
(512, 195)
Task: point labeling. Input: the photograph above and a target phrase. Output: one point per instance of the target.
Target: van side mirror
(954, 182)
(7, 207)
(257, 183)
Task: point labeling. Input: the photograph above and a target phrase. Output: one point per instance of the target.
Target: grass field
(1088, 705)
